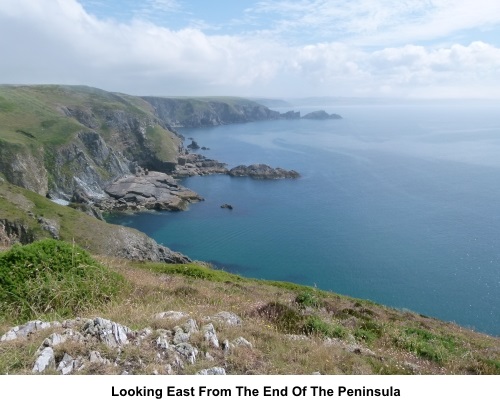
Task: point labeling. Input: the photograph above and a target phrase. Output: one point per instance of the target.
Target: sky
(250, 48)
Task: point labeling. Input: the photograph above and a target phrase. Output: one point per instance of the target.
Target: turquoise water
(399, 204)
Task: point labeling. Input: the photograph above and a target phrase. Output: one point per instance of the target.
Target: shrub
(53, 277)
(286, 319)
(307, 299)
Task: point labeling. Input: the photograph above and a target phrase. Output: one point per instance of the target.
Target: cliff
(60, 139)
(26, 217)
(76, 142)
(210, 111)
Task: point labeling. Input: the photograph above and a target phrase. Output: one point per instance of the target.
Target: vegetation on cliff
(286, 328)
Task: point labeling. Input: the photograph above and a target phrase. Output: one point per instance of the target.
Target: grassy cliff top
(31, 114)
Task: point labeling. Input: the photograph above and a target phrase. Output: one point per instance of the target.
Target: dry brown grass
(374, 339)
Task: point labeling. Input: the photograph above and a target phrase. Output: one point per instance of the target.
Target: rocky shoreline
(152, 190)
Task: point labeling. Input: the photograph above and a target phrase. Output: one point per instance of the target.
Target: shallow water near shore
(399, 204)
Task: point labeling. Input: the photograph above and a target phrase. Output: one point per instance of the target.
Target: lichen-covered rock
(111, 333)
(187, 351)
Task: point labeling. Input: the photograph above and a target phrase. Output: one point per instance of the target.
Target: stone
(212, 371)
(66, 365)
(228, 318)
(174, 315)
(210, 336)
(190, 326)
(96, 357)
(45, 361)
(158, 191)
(23, 331)
(162, 342)
(111, 333)
(187, 351)
(180, 336)
(241, 341)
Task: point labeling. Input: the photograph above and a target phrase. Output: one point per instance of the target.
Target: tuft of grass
(426, 344)
(53, 277)
(307, 299)
(314, 325)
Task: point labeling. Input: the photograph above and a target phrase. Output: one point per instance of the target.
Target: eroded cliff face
(62, 140)
(24, 167)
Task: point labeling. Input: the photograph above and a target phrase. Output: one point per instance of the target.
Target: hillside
(26, 217)
(59, 139)
(188, 319)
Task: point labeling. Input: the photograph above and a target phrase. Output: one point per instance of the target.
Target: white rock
(45, 361)
(210, 335)
(174, 315)
(228, 317)
(66, 365)
(212, 371)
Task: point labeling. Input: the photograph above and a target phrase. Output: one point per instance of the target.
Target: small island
(321, 115)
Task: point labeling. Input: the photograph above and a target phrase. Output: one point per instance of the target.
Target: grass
(287, 338)
(53, 277)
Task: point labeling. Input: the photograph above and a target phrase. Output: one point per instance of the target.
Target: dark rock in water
(261, 171)
(198, 165)
(228, 206)
(204, 148)
(193, 145)
(321, 115)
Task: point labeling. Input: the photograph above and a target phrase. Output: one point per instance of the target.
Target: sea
(398, 203)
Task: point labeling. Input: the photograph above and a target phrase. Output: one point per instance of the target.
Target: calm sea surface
(399, 204)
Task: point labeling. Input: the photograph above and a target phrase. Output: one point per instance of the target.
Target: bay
(397, 203)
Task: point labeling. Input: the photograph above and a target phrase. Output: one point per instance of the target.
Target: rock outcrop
(192, 164)
(151, 190)
(321, 115)
(175, 348)
(261, 171)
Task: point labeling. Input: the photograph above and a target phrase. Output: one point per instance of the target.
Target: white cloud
(376, 22)
(56, 41)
